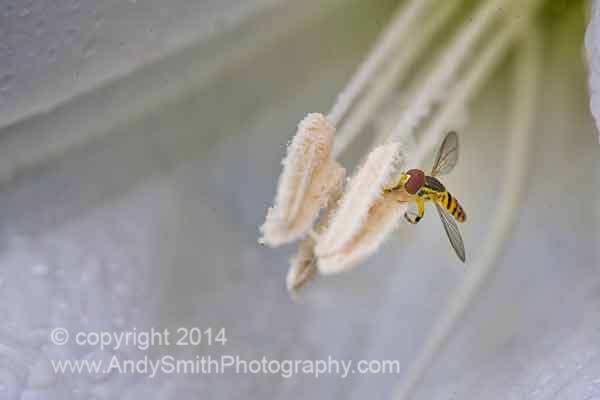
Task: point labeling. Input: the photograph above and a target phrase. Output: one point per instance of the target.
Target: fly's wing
(452, 231)
(447, 155)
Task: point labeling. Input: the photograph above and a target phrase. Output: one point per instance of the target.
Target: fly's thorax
(434, 184)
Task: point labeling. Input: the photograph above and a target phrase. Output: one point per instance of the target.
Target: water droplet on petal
(40, 269)
(71, 33)
(41, 375)
(89, 48)
(52, 53)
(121, 289)
(10, 384)
(6, 81)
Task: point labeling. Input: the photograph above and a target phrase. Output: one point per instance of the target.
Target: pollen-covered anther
(308, 178)
(366, 213)
(303, 267)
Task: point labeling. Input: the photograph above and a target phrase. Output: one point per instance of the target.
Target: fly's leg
(411, 217)
(398, 185)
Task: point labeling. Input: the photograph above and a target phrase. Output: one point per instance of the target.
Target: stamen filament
(470, 84)
(401, 24)
(446, 68)
(391, 75)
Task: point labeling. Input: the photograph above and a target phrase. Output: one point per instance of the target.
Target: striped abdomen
(447, 201)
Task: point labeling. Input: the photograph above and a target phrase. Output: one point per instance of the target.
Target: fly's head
(412, 180)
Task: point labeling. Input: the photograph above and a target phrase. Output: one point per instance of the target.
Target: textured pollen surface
(356, 228)
(309, 177)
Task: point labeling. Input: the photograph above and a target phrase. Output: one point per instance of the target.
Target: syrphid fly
(424, 188)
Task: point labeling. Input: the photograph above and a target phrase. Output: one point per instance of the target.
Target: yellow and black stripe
(446, 200)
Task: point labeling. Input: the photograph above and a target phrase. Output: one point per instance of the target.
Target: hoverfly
(424, 188)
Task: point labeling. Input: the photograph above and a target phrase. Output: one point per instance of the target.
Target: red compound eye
(415, 182)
